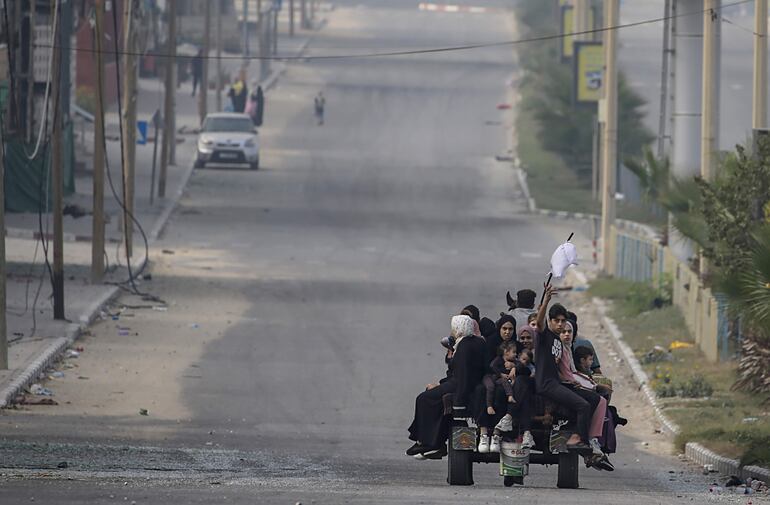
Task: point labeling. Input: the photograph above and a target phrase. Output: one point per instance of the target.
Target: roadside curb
(694, 451)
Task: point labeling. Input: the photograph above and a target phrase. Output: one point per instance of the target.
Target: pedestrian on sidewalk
(256, 104)
(320, 103)
(239, 92)
(196, 69)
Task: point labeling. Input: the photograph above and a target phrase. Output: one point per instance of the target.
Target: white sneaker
(484, 444)
(595, 447)
(527, 440)
(505, 424)
(495, 445)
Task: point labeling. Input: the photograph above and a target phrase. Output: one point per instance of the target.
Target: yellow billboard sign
(567, 27)
(589, 71)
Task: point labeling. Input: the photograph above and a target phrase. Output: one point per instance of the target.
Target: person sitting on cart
(467, 366)
(548, 353)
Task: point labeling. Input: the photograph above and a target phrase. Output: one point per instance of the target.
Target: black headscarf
(473, 312)
(487, 327)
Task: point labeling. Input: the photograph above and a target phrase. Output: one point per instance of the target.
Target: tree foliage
(728, 219)
(566, 128)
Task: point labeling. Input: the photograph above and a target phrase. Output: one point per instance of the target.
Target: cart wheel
(568, 470)
(460, 467)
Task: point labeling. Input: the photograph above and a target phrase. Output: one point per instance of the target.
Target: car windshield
(228, 124)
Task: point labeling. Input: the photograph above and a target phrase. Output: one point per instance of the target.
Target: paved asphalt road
(307, 299)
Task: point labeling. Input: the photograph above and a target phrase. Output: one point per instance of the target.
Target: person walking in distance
(320, 103)
(196, 69)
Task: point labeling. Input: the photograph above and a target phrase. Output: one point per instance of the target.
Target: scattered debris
(194, 325)
(160, 308)
(708, 468)
(750, 420)
(678, 344)
(63, 464)
(167, 251)
(83, 377)
(75, 211)
(72, 353)
(656, 355)
(733, 481)
(143, 412)
(38, 390)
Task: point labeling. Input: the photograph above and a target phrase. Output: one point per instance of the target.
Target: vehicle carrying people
(534, 401)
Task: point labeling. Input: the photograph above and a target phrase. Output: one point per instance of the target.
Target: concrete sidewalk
(36, 339)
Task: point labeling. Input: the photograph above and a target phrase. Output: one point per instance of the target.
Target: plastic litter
(57, 375)
(72, 353)
(160, 308)
(123, 332)
(678, 344)
(194, 325)
(749, 420)
(38, 390)
(657, 354)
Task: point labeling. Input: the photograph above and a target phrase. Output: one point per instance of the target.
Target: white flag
(563, 257)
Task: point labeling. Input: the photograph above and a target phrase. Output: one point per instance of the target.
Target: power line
(468, 47)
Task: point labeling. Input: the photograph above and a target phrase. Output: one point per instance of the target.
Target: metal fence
(639, 257)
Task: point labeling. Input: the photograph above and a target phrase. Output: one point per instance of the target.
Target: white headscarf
(462, 326)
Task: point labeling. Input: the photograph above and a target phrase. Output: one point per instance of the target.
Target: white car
(228, 138)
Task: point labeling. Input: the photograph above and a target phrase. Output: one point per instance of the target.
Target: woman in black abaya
(467, 366)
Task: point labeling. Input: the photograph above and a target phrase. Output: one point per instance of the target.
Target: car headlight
(250, 143)
(206, 142)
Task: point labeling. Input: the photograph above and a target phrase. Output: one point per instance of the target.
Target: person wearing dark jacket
(430, 427)
(196, 69)
(505, 331)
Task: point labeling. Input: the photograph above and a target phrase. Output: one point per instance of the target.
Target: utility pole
(219, 55)
(664, 79)
(31, 74)
(97, 225)
(168, 100)
(203, 95)
(275, 30)
(3, 324)
(129, 123)
(57, 180)
(582, 24)
(245, 28)
(759, 114)
(708, 145)
(610, 133)
(291, 18)
(710, 18)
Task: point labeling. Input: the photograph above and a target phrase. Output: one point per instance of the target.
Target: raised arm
(543, 309)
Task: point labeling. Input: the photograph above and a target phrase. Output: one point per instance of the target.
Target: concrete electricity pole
(759, 109)
(129, 121)
(610, 133)
(168, 102)
(97, 226)
(710, 19)
(57, 181)
(203, 94)
(218, 4)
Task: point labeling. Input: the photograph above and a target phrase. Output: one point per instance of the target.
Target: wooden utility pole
(97, 228)
(610, 133)
(219, 55)
(168, 104)
(291, 18)
(31, 75)
(203, 95)
(57, 181)
(129, 121)
(245, 28)
(759, 109)
(3, 324)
